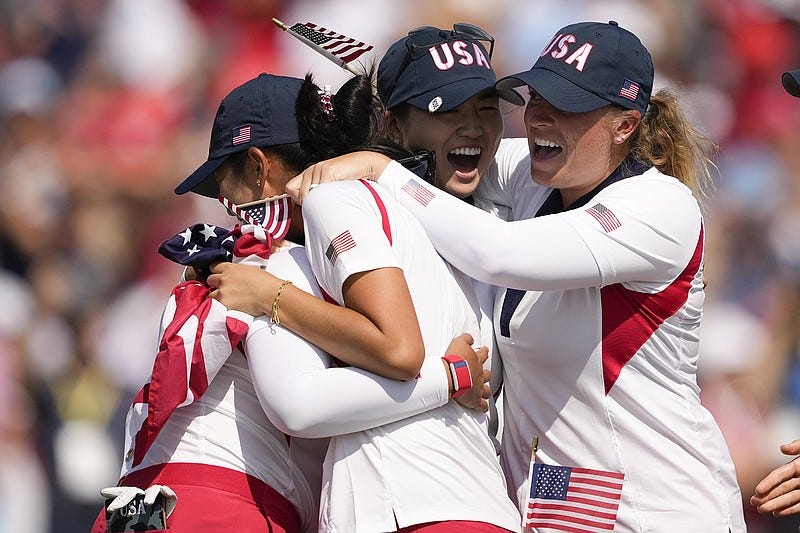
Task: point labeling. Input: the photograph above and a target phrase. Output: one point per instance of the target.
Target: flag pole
(340, 62)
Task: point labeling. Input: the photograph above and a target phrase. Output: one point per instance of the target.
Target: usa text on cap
(589, 65)
(438, 70)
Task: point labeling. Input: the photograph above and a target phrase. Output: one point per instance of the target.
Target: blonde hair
(667, 140)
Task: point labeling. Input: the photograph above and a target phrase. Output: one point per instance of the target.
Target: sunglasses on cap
(422, 163)
(422, 38)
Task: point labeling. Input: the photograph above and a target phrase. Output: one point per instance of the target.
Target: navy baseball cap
(438, 70)
(260, 112)
(791, 82)
(590, 65)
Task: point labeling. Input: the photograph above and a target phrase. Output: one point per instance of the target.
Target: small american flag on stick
(576, 500)
(337, 47)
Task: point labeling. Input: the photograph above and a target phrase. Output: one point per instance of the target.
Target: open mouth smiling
(544, 149)
(465, 158)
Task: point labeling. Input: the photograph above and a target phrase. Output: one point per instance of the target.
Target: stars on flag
(564, 498)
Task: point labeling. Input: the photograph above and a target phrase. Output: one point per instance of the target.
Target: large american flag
(199, 333)
(328, 42)
(572, 499)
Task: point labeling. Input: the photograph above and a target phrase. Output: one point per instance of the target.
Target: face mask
(274, 214)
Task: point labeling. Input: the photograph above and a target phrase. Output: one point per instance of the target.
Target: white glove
(123, 496)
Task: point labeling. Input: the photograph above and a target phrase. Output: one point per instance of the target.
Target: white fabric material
(439, 465)
(228, 427)
(651, 426)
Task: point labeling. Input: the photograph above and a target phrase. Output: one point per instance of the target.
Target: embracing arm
(491, 250)
(302, 396)
(376, 331)
(567, 250)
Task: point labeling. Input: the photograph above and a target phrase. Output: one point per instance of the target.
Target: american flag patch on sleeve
(339, 244)
(605, 217)
(418, 192)
(564, 498)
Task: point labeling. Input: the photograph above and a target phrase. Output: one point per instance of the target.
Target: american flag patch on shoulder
(605, 217)
(339, 244)
(418, 192)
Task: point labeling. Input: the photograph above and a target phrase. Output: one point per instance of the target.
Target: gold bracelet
(275, 318)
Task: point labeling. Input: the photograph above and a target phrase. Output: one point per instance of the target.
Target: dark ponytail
(353, 122)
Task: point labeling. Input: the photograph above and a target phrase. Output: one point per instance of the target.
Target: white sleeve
(302, 396)
(563, 251)
(344, 234)
(491, 250)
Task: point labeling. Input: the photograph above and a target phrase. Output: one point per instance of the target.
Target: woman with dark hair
(399, 305)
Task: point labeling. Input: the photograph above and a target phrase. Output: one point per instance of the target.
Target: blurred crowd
(105, 106)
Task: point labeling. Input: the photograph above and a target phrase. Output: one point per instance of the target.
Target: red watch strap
(459, 370)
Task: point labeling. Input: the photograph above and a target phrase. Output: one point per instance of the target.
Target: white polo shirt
(599, 347)
(435, 466)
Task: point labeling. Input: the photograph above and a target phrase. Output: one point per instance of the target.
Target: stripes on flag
(572, 499)
(345, 48)
(242, 134)
(605, 217)
(629, 90)
(418, 192)
(339, 244)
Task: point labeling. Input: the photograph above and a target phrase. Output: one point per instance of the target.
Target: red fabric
(630, 318)
(168, 387)
(212, 498)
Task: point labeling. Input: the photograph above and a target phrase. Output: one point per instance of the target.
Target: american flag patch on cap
(605, 217)
(341, 243)
(629, 90)
(242, 134)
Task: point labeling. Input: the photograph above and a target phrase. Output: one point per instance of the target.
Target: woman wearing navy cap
(598, 322)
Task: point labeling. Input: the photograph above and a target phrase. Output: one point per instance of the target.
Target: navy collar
(629, 167)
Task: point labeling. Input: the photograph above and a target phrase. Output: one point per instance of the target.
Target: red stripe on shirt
(387, 230)
(630, 318)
